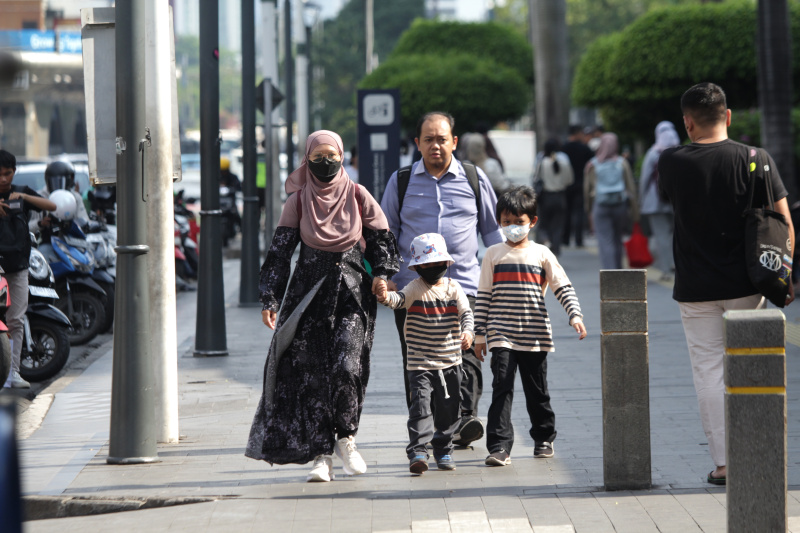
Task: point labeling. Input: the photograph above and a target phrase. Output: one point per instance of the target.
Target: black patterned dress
(318, 363)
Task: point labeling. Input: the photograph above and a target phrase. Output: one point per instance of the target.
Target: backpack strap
(474, 182)
(403, 177)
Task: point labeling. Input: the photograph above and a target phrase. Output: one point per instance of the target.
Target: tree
(486, 77)
(340, 54)
(636, 77)
(552, 68)
(775, 86)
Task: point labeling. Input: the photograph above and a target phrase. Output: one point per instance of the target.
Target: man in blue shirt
(440, 199)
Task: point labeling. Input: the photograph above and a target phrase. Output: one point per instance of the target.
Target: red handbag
(636, 247)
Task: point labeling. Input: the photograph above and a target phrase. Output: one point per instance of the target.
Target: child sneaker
(445, 462)
(419, 464)
(543, 450)
(352, 461)
(500, 458)
(322, 469)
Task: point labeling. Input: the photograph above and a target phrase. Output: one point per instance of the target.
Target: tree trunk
(548, 22)
(775, 88)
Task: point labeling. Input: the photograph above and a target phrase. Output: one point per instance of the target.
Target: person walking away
(510, 316)
(317, 368)
(352, 166)
(610, 195)
(555, 173)
(707, 183)
(16, 203)
(444, 196)
(439, 325)
(654, 209)
(579, 154)
(473, 149)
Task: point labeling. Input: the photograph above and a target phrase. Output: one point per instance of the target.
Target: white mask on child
(516, 233)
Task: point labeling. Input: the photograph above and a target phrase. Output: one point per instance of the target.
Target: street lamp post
(311, 13)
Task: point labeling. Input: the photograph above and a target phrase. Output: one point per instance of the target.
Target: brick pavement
(67, 454)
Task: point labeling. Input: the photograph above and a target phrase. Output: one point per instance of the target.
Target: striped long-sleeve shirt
(510, 311)
(436, 317)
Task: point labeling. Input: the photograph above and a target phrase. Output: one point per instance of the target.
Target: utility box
(100, 88)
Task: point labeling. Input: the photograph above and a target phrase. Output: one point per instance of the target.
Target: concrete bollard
(755, 420)
(625, 379)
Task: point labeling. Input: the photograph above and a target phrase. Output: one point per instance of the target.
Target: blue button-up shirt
(446, 206)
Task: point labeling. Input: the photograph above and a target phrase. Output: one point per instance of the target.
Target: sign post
(378, 138)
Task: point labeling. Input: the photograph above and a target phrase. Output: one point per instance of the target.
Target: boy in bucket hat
(438, 326)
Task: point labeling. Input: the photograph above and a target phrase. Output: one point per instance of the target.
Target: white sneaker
(352, 461)
(16, 381)
(322, 469)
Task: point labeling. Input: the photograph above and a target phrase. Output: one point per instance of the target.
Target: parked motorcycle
(45, 343)
(103, 240)
(231, 220)
(81, 298)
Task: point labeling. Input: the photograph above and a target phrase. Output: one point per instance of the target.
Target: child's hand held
(580, 329)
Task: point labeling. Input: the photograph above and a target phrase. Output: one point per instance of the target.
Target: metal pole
(248, 284)
(210, 335)
(301, 78)
(132, 436)
(160, 222)
(269, 198)
(271, 117)
(309, 80)
(289, 62)
(370, 33)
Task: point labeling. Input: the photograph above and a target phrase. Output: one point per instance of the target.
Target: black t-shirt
(15, 242)
(579, 154)
(707, 185)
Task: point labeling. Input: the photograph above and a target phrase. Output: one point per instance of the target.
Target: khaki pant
(702, 323)
(15, 316)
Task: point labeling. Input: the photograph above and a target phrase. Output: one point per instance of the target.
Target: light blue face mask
(516, 233)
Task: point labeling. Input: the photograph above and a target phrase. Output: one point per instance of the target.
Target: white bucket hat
(428, 248)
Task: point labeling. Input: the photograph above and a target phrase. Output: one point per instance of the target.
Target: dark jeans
(433, 415)
(472, 380)
(533, 372)
(552, 216)
(574, 222)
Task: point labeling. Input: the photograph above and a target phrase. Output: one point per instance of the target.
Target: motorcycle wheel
(108, 303)
(49, 352)
(5, 358)
(87, 318)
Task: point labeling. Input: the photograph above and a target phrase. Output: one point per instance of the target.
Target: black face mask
(325, 170)
(433, 274)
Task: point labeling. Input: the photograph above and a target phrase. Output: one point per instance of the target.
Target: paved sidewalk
(66, 455)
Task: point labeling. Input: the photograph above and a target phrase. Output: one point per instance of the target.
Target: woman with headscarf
(656, 211)
(555, 173)
(317, 368)
(472, 148)
(610, 195)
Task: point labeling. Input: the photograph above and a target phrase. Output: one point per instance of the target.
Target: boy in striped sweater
(511, 318)
(438, 326)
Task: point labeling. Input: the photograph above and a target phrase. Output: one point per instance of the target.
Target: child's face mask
(433, 274)
(516, 233)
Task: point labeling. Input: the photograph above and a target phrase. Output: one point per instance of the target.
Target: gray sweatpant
(437, 425)
(15, 316)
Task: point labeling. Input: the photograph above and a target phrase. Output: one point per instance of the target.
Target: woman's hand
(480, 350)
(580, 329)
(268, 317)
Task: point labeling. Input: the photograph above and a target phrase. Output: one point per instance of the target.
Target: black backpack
(15, 240)
(404, 176)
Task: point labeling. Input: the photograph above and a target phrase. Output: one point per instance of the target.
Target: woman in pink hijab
(610, 195)
(318, 363)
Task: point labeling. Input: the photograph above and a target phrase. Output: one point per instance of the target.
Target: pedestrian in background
(511, 318)
(656, 211)
(708, 184)
(610, 196)
(579, 154)
(473, 149)
(554, 174)
(439, 325)
(318, 364)
(441, 198)
(16, 204)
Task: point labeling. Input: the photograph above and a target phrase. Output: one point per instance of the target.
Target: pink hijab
(331, 219)
(609, 147)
